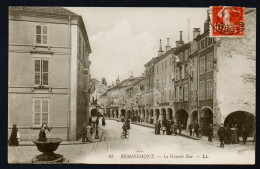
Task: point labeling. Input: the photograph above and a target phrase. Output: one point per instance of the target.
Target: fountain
(47, 146)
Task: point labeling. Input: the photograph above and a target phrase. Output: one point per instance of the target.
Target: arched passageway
(206, 118)
(128, 114)
(182, 117)
(194, 117)
(123, 113)
(151, 117)
(241, 119)
(117, 114)
(163, 116)
(157, 114)
(170, 112)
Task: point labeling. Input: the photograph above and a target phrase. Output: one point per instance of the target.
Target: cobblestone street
(142, 141)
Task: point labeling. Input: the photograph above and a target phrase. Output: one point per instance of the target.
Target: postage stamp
(227, 21)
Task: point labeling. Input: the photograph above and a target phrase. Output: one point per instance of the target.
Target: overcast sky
(124, 39)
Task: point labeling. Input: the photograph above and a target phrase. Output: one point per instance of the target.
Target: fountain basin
(47, 148)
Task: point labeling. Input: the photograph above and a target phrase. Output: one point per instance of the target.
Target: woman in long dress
(13, 140)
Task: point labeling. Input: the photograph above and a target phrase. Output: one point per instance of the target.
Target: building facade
(48, 71)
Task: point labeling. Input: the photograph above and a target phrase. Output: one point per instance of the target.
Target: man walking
(210, 132)
(244, 134)
(196, 129)
(221, 135)
(190, 128)
(179, 127)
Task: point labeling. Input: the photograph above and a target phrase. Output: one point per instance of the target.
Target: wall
(236, 63)
(21, 91)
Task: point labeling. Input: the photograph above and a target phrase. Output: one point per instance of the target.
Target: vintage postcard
(131, 85)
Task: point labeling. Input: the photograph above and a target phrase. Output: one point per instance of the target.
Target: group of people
(194, 129)
(168, 127)
(230, 135)
(88, 128)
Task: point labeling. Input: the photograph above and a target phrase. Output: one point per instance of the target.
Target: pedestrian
(163, 129)
(190, 128)
(124, 127)
(159, 127)
(210, 133)
(13, 140)
(171, 128)
(42, 134)
(103, 121)
(196, 129)
(244, 134)
(156, 128)
(97, 122)
(179, 128)
(221, 135)
(175, 127)
(128, 124)
(90, 120)
(84, 132)
(89, 132)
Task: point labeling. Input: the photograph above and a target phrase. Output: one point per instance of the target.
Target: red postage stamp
(227, 21)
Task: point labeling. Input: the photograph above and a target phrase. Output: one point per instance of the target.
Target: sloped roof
(42, 10)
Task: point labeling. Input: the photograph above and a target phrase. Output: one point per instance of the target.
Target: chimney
(168, 47)
(196, 32)
(117, 80)
(206, 23)
(131, 77)
(180, 42)
(160, 52)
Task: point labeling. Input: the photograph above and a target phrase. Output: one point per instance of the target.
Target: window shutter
(38, 34)
(45, 111)
(37, 72)
(45, 72)
(37, 113)
(182, 72)
(44, 34)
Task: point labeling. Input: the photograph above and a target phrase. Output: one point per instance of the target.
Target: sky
(124, 39)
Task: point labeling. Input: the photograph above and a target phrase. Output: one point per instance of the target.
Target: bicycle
(123, 135)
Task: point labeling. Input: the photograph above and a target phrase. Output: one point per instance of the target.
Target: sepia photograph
(131, 85)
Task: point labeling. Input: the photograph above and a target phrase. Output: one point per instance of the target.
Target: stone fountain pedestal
(47, 148)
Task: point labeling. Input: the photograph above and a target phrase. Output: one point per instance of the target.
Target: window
(170, 61)
(206, 41)
(176, 73)
(182, 72)
(181, 94)
(186, 70)
(186, 93)
(85, 72)
(42, 34)
(162, 65)
(202, 64)
(170, 95)
(157, 68)
(165, 64)
(181, 57)
(186, 54)
(41, 72)
(40, 111)
(202, 90)
(210, 61)
(202, 44)
(170, 80)
(177, 94)
(173, 95)
(209, 88)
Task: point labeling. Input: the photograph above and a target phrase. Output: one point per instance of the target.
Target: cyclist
(124, 129)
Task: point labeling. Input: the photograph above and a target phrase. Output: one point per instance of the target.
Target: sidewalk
(185, 133)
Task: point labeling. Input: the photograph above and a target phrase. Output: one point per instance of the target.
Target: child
(163, 129)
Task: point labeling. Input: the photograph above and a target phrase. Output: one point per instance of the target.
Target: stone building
(48, 75)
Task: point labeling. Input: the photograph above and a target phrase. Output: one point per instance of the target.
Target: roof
(104, 94)
(42, 10)
(165, 54)
(125, 83)
(51, 12)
